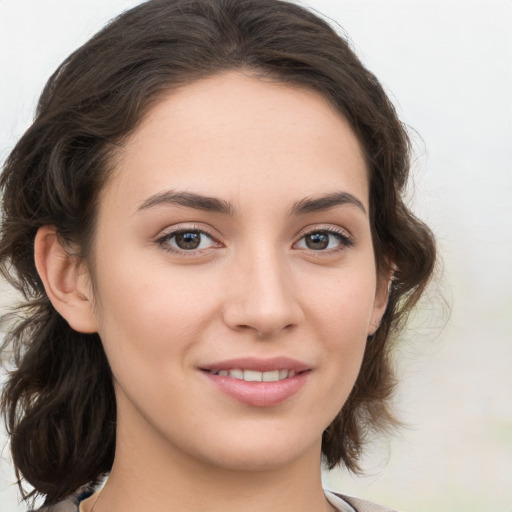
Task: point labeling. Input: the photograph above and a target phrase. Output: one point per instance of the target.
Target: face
(235, 275)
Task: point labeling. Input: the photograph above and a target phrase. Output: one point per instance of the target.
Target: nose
(262, 297)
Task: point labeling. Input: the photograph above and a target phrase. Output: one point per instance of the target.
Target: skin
(254, 288)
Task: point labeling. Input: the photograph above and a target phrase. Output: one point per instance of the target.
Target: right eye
(186, 241)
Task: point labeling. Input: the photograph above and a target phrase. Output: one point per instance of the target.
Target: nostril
(264, 310)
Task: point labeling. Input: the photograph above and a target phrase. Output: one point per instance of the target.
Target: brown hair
(59, 401)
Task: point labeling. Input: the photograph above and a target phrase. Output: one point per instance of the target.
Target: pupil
(188, 240)
(317, 241)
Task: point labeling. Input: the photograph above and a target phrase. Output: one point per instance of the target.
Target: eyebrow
(325, 202)
(213, 204)
(188, 200)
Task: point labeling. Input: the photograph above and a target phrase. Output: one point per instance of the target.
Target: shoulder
(69, 504)
(360, 505)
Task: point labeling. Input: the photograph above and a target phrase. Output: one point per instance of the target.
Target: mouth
(255, 375)
(258, 382)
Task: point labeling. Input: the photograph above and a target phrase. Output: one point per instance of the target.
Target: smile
(258, 382)
(256, 376)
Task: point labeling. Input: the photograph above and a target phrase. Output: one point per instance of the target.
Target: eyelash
(344, 239)
(164, 240)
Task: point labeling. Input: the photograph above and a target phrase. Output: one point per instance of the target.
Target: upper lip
(258, 364)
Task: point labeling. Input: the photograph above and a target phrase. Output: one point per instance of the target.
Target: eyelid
(344, 236)
(174, 230)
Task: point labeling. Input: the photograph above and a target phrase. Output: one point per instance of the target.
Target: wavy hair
(58, 401)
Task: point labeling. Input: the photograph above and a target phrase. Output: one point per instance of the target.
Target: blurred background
(447, 65)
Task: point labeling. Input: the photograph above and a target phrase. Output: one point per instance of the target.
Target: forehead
(234, 135)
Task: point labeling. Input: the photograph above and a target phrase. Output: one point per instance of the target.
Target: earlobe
(66, 286)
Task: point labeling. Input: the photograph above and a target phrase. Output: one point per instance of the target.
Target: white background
(447, 66)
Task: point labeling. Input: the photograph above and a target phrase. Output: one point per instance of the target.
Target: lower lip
(259, 394)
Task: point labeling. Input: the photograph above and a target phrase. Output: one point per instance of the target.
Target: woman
(206, 221)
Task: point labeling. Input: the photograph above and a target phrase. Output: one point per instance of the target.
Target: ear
(380, 304)
(65, 280)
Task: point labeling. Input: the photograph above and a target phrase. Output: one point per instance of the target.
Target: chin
(272, 452)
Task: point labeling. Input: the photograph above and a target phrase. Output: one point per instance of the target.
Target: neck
(161, 478)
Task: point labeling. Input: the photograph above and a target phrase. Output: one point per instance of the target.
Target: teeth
(253, 376)
(256, 376)
(236, 374)
(270, 376)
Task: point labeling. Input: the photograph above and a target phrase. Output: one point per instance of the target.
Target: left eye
(187, 240)
(322, 240)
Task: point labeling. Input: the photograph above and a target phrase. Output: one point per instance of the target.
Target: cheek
(341, 313)
(343, 304)
(150, 314)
